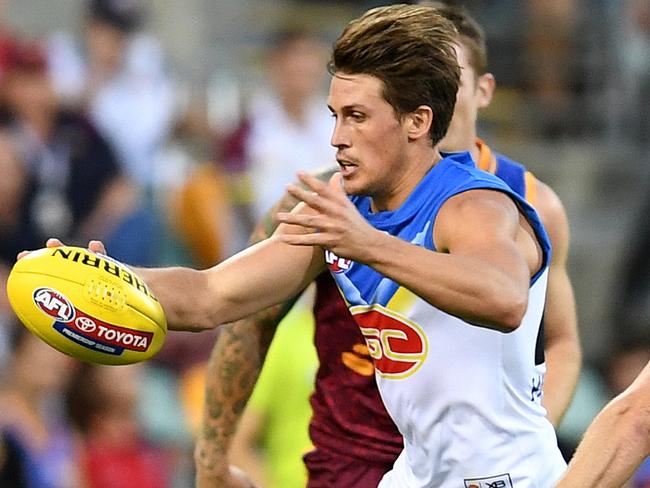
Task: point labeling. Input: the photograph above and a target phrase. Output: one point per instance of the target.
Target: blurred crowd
(98, 140)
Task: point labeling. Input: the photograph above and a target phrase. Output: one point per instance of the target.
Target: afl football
(87, 305)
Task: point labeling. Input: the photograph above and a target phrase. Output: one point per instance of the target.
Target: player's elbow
(509, 310)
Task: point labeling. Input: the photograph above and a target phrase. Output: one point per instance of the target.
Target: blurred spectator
(118, 75)
(288, 127)
(636, 69)
(68, 183)
(632, 304)
(200, 214)
(33, 426)
(102, 403)
(12, 466)
(12, 187)
(550, 60)
(6, 39)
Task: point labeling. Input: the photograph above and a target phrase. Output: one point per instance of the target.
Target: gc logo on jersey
(335, 263)
(398, 346)
(500, 481)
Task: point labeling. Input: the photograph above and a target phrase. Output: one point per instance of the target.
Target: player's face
(369, 138)
(474, 93)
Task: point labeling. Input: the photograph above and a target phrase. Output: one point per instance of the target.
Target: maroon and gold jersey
(349, 417)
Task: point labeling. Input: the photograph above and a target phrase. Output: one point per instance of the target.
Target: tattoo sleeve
(233, 369)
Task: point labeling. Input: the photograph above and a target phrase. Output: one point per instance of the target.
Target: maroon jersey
(349, 418)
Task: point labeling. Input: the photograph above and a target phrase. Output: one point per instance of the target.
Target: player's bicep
(483, 225)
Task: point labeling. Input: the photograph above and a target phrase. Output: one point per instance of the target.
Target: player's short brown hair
(470, 31)
(410, 49)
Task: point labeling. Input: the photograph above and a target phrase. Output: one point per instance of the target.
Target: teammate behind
(356, 446)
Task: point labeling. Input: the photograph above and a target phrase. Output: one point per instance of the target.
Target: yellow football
(87, 305)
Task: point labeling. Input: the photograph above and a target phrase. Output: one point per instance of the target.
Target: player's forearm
(617, 441)
(614, 446)
(261, 276)
(183, 295)
(563, 361)
(233, 369)
(464, 286)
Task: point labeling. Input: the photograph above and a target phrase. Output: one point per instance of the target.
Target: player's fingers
(22, 254)
(315, 239)
(336, 183)
(311, 198)
(97, 246)
(321, 187)
(53, 242)
(312, 221)
(311, 181)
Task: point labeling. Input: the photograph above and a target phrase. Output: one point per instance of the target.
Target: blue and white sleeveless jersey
(466, 399)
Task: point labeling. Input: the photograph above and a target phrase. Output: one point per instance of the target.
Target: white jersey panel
(472, 411)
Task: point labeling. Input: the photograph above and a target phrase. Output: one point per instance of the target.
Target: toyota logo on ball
(85, 324)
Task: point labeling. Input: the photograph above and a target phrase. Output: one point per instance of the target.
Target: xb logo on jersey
(335, 263)
(398, 346)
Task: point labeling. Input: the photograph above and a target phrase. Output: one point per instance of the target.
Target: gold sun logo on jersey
(397, 345)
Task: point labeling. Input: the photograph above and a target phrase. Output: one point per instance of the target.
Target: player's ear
(485, 89)
(419, 122)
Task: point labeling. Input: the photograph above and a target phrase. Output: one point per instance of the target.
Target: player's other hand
(95, 246)
(239, 479)
(329, 219)
(234, 478)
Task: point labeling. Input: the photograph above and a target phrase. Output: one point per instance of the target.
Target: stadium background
(572, 103)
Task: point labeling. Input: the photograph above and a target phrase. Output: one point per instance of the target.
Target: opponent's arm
(482, 273)
(562, 345)
(617, 441)
(234, 366)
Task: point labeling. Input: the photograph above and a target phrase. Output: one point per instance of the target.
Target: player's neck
(460, 144)
(416, 166)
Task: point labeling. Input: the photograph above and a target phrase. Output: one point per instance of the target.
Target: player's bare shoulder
(553, 215)
(467, 215)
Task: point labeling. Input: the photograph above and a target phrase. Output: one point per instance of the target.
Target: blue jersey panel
(413, 222)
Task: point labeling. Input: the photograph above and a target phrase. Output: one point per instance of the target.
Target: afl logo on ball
(54, 304)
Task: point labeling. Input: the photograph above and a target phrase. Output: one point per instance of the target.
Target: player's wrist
(378, 249)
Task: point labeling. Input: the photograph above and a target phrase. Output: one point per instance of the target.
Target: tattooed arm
(233, 369)
(235, 364)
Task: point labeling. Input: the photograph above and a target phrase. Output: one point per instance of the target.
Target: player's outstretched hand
(331, 220)
(95, 246)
